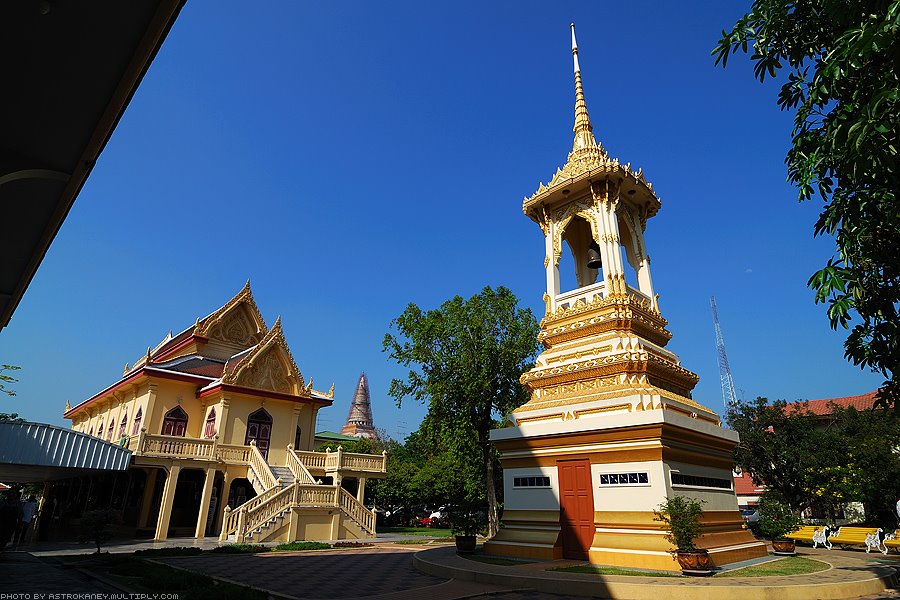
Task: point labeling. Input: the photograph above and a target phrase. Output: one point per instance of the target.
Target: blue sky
(354, 157)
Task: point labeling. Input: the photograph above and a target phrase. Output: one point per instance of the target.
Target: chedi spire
(359, 419)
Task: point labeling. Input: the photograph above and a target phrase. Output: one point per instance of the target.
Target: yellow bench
(853, 536)
(812, 534)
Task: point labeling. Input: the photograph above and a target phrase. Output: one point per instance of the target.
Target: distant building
(359, 419)
(332, 439)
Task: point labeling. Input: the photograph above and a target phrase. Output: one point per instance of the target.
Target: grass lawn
(616, 571)
(791, 565)
(429, 531)
(492, 560)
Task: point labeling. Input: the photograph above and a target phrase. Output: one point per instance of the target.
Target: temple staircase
(289, 501)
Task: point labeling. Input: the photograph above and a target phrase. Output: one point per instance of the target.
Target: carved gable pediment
(238, 322)
(268, 371)
(268, 366)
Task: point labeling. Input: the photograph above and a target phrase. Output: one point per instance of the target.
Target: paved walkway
(387, 572)
(22, 573)
(853, 574)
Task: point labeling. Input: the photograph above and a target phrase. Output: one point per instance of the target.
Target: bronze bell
(593, 253)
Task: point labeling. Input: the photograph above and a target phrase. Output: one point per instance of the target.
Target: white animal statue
(874, 540)
(820, 536)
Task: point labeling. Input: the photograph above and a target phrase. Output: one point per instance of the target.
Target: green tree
(466, 358)
(780, 448)
(842, 59)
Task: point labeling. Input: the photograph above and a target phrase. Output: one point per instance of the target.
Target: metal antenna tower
(728, 394)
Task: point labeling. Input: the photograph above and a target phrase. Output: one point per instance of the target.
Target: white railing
(354, 509)
(298, 469)
(231, 453)
(261, 468)
(262, 513)
(315, 495)
(312, 460)
(586, 294)
(171, 446)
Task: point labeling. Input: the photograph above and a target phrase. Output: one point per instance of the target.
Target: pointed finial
(68, 406)
(247, 285)
(574, 48)
(584, 137)
(148, 354)
(126, 369)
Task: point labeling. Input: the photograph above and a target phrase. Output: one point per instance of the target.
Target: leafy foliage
(809, 462)
(682, 517)
(466, 358)
(843, 82)
(776, 519)
(7, 379)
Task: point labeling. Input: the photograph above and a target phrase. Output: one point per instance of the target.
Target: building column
(149, 487)
(223, 499)
(204, 503)
(360, 489)
(165, 508)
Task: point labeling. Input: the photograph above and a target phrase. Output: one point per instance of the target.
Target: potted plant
(467, 524)
(682, 517)
(776, 521)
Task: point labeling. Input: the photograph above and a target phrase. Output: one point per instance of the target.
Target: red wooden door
(259, 428)
(576, 507)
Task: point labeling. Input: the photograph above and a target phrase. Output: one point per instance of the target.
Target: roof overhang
(41, 452)
(69, 71)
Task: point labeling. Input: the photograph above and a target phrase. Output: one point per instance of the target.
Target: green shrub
(240, 549)
(179, 551)
(775, 517)
(682, 516)
(295, 546)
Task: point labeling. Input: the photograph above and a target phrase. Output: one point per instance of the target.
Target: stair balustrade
(298, 469)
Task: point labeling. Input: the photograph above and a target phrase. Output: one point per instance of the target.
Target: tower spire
(359, 420)
(584, 136)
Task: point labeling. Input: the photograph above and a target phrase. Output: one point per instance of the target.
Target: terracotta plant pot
(465, 544)
(697, 562)
(784, 547)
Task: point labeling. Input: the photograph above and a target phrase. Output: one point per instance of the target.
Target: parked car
(750, 516)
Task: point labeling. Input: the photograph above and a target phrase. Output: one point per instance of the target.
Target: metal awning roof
(69, 70)
(41, 452)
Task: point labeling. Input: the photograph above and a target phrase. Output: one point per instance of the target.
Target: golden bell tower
(611, 429)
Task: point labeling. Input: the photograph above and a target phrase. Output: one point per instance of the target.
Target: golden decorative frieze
(579, 354)
(602, 409)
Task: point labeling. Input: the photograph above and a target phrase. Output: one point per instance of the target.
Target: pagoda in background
(359, 419)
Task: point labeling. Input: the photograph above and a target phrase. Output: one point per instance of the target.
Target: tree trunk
(493, 512)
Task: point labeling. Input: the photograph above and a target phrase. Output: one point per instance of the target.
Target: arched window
(209, 432)
(259, 428)
(123, 425)
(297, 438)
(136, 428)
(175, 422)
(109, 430)
(100, 429)
(91, 431)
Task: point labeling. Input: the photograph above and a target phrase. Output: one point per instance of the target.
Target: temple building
(359, 419)
(611, 429)
(220, 423)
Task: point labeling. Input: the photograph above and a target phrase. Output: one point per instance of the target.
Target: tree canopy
(466, 358)
(820, 462)
(842, 59)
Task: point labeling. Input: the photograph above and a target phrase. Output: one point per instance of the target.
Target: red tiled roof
(822, 408)
(743, 485)
(198, 366)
